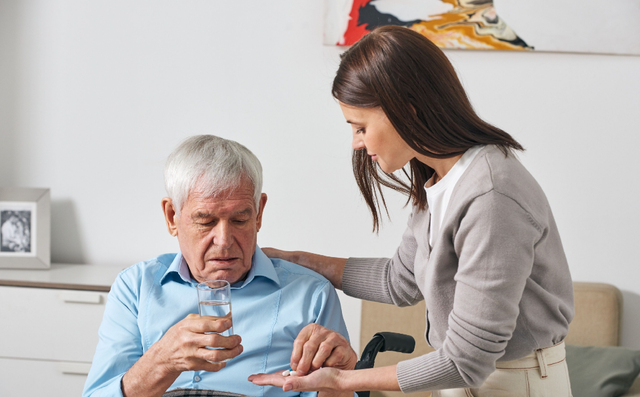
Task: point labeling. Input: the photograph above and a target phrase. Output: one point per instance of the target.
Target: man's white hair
(210, 165)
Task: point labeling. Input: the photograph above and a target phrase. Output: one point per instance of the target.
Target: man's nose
(222, 237)
(357, 142)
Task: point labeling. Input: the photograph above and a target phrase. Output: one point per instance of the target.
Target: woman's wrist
(347, 380)
(383, 378)
(330, 267)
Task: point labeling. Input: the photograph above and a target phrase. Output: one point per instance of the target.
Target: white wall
(94, 96)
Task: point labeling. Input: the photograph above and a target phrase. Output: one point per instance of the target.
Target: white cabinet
(49, 324)
(39, 378)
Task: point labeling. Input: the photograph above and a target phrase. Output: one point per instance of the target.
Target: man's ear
(170, 216)
(261, 204)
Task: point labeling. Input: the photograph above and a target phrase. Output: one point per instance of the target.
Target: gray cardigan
(496, 282)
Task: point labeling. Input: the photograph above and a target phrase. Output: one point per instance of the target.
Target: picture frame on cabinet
(25, 228)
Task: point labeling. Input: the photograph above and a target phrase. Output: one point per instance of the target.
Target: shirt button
(196, 378)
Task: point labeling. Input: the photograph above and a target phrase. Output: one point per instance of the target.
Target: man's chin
(230, 276)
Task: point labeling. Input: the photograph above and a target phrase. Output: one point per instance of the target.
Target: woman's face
(373, 132)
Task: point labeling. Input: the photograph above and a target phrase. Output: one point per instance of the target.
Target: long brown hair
(413, 82)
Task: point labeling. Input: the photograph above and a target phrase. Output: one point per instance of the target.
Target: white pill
(286, 373)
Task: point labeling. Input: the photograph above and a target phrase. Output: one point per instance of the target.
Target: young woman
(481, 246)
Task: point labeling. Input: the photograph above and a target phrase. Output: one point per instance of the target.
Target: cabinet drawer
(33, 378)
(50, 324)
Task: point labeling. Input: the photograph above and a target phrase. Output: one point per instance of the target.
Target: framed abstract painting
(589, 26)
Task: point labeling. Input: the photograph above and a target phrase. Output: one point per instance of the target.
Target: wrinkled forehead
(242, 190)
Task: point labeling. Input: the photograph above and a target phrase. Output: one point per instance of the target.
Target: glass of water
(214, 299)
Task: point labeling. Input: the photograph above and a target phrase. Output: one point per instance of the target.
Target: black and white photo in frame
(25, 228)
(17, 231)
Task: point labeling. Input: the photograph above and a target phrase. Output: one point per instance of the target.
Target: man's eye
(240, 221)
(360, 131)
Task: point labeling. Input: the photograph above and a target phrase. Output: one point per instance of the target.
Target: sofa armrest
(598, 312)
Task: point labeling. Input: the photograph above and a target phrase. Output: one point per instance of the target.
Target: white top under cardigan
(439, 194)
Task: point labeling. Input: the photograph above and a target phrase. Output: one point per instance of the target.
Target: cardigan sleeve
(392, 281)
(385, 280)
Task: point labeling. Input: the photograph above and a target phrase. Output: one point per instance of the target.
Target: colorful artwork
(482, 25)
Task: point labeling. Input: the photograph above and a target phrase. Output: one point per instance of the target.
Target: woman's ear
(170, 216)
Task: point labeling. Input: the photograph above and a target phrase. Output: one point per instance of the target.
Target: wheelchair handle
(381, 342)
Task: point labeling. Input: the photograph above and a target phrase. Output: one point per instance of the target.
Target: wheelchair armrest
(385, 341)
(400, 343)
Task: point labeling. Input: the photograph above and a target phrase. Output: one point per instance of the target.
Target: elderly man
(152, 341)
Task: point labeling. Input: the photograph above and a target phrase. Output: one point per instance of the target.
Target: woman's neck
(440, 166)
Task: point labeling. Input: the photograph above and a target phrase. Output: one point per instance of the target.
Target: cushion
(601, 371)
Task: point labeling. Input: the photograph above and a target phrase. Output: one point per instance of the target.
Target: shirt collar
(261, 266)
(177, 269)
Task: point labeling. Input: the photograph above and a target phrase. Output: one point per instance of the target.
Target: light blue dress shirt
(270, 307)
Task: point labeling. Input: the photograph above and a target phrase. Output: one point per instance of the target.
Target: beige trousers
(541, 374)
